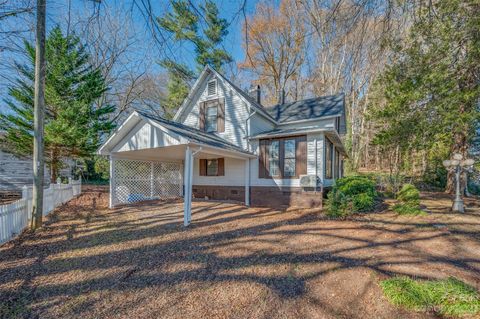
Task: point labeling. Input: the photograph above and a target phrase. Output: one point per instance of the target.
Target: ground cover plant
(350, 195)
(448, 297)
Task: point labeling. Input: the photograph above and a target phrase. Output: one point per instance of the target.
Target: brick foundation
(235, 193)
(285, 197)
(262, 196)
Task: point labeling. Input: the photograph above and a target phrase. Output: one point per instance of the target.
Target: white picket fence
(15, 217)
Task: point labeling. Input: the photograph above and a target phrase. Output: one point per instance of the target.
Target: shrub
(409, 198)
(409, 194)
(350, 195)
(448, 297)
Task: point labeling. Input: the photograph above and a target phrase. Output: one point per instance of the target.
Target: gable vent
(212, 87)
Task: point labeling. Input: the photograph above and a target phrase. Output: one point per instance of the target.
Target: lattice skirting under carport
(134, 181)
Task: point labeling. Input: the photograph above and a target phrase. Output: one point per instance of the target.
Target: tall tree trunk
(39, 110)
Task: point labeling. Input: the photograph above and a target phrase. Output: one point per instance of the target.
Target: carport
(152, 159)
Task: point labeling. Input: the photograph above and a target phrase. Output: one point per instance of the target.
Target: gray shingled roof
(308, 109)
(195, 135)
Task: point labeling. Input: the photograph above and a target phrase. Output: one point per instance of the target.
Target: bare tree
(118, 47)
(275, 47)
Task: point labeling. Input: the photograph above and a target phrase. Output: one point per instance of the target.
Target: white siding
(259, 124)
(234, 174)
(322, 124)
(16, 172)
(145, 136)
(236, 112)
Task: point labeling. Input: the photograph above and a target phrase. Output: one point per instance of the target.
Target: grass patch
(406, 209)
(449, 297)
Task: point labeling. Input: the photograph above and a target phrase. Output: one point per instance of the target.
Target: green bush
(448, 297)
(350, 195)
(409, 198)
(409, 194)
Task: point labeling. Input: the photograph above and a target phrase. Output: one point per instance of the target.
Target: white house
(224, 145)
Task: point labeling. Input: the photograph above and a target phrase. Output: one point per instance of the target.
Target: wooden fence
(14, 217)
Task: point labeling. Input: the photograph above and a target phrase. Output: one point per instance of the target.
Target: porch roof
(189, 135)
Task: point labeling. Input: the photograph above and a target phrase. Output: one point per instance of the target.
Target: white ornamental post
(458, 164)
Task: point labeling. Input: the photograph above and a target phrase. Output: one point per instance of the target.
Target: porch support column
(112, 181)
(247, 182)
(187, 196)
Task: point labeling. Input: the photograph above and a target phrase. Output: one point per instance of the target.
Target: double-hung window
(274, 158)
(289, 158)
(212, 167)
(283, 157)
(328, 159)
(211, 118)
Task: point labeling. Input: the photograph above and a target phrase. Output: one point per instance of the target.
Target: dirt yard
(232, 262)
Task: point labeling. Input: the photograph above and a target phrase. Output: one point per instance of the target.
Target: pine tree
(74, 121)
(184, 23)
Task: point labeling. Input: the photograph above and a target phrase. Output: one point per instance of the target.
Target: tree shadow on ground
(147, 247)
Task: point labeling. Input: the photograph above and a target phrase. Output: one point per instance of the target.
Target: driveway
(232, 262)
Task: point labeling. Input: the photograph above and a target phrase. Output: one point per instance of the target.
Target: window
(211, 118)
(283, 157)
(328, 159)
(289, 158)
(212, 88)
(212, 167)
(337, 164)
(274, 158)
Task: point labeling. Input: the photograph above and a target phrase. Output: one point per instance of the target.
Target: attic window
(212, 88)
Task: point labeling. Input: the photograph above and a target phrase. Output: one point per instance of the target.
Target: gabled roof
(191, 134)
(205, 72)
(309, 109)
(195, 135)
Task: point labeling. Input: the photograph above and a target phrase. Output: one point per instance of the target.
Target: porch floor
(231, 262)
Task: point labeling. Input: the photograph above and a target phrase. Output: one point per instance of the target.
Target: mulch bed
(232, 262)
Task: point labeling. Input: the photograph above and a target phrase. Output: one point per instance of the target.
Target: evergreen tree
(430, 94)
(74, 122)
(185, 22)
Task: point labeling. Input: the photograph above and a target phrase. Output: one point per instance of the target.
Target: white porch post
(187, 196)
(112, 181)
(247, 182)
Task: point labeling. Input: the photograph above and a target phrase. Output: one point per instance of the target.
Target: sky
(58, 14)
